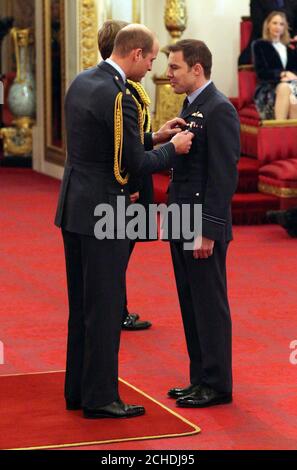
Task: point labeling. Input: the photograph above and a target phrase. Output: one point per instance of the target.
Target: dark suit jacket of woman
(267, 62)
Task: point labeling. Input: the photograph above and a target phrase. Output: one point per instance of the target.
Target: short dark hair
(133, 37)
(194, 52)
(107, 35)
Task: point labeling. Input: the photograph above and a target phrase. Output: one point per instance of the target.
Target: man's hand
(182, 142)
(206, 249)
(168, 130)
(134, 197)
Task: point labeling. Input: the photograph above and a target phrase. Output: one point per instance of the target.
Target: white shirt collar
(118, 68)
(197, 92)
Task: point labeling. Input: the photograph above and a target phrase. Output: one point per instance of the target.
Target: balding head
(135, 50)
(134, 36)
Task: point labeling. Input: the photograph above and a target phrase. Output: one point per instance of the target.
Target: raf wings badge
(197, 114)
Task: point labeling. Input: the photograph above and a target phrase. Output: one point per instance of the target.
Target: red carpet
(249, 207)
(35, 403)
(262, 268)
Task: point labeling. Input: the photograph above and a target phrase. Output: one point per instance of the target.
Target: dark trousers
(96, 293)
(126, 311)
(202, 291)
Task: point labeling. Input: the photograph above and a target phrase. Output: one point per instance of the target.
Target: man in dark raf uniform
(105, 148)
(208, 176)
(141, 190)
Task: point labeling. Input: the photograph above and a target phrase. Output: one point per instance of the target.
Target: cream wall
(217, 23)
(214, 21)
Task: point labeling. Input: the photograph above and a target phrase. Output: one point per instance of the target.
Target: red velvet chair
(267, 140)
(280, 179)
(246, 27)
(272, 142)
(249, 117)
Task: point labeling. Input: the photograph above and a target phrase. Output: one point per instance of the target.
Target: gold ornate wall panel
(126, 10)
(168, 104)
(88, 29)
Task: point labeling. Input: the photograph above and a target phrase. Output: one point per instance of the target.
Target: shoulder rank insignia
(198, 114)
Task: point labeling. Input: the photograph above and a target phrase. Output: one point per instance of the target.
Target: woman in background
(275, 62)
(259, 10)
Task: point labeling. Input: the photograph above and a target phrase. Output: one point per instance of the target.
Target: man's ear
(137, 54)
(198, 69)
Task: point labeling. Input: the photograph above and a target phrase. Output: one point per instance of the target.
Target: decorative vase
(168, 103)
(176, 18)
(22, 96)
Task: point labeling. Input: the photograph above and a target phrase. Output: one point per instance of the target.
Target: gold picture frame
(133, 6)
(54, 80)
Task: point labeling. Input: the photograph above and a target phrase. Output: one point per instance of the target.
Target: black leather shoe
(133, 315)
(182, 392)
(276, 217)
(203, 397)
(131, 324)
(117, 409)
(73, 405)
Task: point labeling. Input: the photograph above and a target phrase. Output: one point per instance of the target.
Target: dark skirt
(265, 100)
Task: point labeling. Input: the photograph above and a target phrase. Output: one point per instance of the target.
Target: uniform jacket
(208, 174)
(145, 184)
(89, 178)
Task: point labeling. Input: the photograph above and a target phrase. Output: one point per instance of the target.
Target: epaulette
(143, 100)
(119, 137)
(119, 82)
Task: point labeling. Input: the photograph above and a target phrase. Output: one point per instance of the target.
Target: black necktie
(185, 104)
